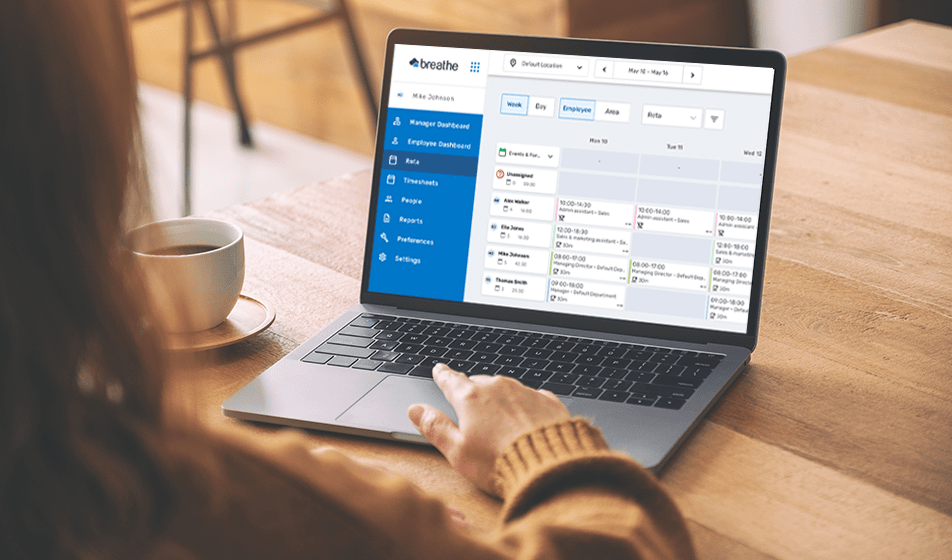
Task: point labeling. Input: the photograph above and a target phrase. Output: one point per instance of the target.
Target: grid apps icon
(474, 67)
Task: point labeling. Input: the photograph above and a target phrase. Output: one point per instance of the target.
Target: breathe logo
(443, 65)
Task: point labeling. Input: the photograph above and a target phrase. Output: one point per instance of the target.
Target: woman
(91, 466)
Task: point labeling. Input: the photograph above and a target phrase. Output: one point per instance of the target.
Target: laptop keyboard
(569, 366)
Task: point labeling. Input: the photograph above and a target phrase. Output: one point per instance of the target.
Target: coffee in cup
(194, 270)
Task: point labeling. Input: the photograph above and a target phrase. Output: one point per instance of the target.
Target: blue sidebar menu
(425, 204)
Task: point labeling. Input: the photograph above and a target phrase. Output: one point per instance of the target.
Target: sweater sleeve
(566, 496)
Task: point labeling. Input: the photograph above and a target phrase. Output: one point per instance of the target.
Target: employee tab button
(514, 104)
(577, 109)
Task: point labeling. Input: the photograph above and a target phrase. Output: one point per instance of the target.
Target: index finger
(450, 381)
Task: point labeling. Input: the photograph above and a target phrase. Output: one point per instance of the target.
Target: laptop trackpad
(384, 408)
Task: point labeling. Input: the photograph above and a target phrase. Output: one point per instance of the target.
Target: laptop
(588, 217)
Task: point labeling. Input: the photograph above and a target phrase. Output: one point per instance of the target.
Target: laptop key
(663, 390)
(484, 369)
(535, 342)
(620, 363)
(462, 344)
(567, 378)
(560, 367)
(317, 358)
(591, 349)
(414, 328)
(366, 364)
(558, 388)
(341, 361)
(536, 375)
(564, 357)
(341, 350)
(587, 392)
(642, 366)
(611, 352)
(483, 357)
(385, 355)
(589, 359)
(613, 373)
(421, 371)
(459, 334)
(437, 331)
(508, 360)
(589, 381)
(487, 347)
(388, 325)
(697, 373)
(438, 341)
(485, 336)
(388, 335)
(532, 383)
(660, 358)
(698, 361)
(510, 340)
(409, 359)
(384, 344)
(617, 385)
(413, 338)
(351, 330)
(640, 376)
(538, 353)
(642, 401)
(433, 351)
(390, 367)
(582, 369)
(673, 404)
(665, 369)
(364, 321)
(512, 350)
(410, 348)
(461, 366)
(510, 371)
(560, 345)
(677, 381)
(456, 354)
(350, 340)
(533, 363)
(614, 396)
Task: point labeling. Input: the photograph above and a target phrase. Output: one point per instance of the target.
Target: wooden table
(837, 441)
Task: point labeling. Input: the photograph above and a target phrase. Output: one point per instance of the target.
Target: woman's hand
(492, 412)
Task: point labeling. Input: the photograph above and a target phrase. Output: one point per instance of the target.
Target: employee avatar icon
(492, 227)
(393, 160)
(386, 218)
(396, 122)
(500, 173)
(489, 279)
(395, 142)
(495, 200)
(492, 253)
(391, 179)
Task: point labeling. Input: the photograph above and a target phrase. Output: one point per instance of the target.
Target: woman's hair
(80, 367)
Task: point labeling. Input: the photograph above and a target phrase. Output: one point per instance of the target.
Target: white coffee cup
(194, 269)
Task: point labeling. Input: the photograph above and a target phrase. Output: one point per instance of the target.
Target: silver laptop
(588, 217)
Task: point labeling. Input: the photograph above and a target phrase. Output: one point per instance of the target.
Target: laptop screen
(618, 188)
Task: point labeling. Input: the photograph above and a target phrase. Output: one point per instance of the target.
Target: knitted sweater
(566, 495)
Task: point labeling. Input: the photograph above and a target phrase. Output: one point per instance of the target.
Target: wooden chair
(224, 45)
(697, 22)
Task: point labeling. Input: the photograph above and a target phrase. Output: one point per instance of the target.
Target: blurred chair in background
(224, 43)
(695, 22)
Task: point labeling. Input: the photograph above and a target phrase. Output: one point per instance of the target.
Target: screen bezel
(591, 48)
